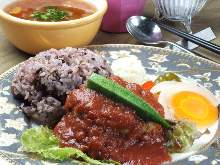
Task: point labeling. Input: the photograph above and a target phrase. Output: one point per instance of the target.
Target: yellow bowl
(33, 36)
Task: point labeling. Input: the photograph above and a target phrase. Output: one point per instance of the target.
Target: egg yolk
(194, 107)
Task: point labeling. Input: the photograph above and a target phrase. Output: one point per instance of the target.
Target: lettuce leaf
(42, 141)
(181, 136)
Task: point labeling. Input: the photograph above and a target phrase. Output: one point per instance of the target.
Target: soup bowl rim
(70, 23)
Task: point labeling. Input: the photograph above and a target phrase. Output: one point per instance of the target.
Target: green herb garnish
(45, 144)
(167, 77)
(52, 14)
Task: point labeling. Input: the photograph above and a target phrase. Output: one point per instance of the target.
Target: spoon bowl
(144, 30)
(148, 32)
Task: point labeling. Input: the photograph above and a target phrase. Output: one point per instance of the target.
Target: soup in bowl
(50, 10)
(36, 25)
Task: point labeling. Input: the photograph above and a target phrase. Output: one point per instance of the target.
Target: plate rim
(156, 48)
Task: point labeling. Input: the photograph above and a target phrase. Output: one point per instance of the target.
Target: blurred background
(208, 17)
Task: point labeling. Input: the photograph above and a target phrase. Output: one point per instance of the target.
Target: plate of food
(110, 104)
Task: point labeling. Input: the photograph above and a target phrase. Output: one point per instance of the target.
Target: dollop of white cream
(130, 69)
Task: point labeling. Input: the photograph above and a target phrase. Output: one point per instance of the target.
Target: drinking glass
(179, 10)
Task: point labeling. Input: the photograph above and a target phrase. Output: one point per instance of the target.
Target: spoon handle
(171, 44)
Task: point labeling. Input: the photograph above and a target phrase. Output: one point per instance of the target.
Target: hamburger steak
(105, 129)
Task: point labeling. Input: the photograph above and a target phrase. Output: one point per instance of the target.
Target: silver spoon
(148, 32)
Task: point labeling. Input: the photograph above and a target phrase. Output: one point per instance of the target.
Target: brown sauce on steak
(105, 129)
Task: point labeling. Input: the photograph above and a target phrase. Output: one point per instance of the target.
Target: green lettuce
(43, 142)
(181, 136)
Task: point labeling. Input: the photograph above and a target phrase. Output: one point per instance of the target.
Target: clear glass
(179, 10)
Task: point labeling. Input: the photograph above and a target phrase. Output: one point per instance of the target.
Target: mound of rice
(43, 81)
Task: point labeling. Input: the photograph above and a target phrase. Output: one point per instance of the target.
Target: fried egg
(184, 100)
(187, 100)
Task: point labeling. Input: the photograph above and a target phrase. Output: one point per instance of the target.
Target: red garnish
(148, 85)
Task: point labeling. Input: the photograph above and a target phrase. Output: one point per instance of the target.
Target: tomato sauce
(75, 9)
(105, 129)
